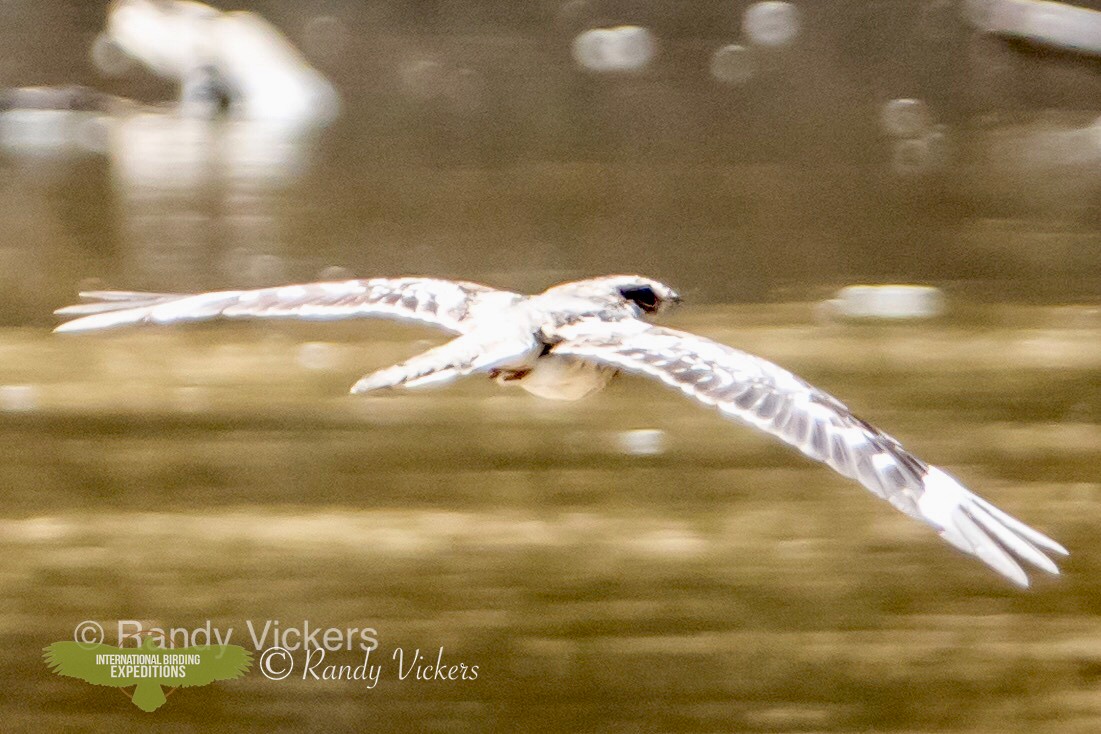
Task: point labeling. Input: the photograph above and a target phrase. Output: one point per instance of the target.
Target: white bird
(569, 340)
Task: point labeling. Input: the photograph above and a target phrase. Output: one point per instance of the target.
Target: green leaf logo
(149, 669)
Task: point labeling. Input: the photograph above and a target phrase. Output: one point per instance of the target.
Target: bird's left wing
(774, 400)
(443, 303)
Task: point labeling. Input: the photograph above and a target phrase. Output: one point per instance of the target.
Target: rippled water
(723, 583)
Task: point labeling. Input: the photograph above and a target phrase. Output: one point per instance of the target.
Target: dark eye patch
(643, 296)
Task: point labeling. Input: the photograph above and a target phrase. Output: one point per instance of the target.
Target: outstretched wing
(774, 400)
(78, 661)
(222, 662)
(442, 303)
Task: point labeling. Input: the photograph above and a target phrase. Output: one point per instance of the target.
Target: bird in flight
(571, 339)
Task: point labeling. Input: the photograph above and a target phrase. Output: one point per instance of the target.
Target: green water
(175, 477)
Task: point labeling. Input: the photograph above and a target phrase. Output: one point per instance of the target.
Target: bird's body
(570, 340)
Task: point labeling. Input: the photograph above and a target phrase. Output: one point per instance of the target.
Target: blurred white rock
(54, 121)
(208, 170)
(273, 80)
(37, 133)
(233, 67)
(771, 23)
(911, 157)
(625, 48)
(733, 64)
(642, 442)
(18, 398)
(1064, 26)
(237, 59)
(931, 152)
(905, 118)
(317, 356)
(887, 302)
(169, 38)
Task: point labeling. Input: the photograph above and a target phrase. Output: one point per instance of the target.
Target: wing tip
(69, 327)
(99, 321)
(973, 525)
(106, 309)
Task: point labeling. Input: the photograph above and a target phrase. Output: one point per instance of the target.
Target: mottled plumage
(571, 339)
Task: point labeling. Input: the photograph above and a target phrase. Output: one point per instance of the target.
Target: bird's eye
(642, 296)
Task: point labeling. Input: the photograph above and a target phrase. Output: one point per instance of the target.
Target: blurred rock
(237, 57)
(67, 120)
(52, 132)
(733, 64)
(317, 356)
(890, 302)
(905, 118)
(642, 442)
(926, 154)
(18, 398)
(1060, 25)
(771, 23)
(627, 48)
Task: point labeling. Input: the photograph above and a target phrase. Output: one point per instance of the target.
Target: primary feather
(442, 303)
(770, 398)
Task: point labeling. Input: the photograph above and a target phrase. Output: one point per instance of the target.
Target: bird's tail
(107, 309)
(148, 695)
(463, 355)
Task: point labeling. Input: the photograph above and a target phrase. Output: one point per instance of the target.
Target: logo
(148, 669)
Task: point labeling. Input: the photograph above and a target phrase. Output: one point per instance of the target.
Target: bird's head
(648, 296)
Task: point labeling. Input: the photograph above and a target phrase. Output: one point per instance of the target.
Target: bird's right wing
(770, 398)
(442, 303)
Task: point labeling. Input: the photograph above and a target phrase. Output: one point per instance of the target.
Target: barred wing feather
(442, 303)
(774, 400)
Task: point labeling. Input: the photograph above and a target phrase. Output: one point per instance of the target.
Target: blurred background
(629, 563)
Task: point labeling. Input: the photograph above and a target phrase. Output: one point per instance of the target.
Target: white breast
(560, 378)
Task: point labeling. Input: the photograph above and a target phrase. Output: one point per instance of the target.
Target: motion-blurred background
(629, 563)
